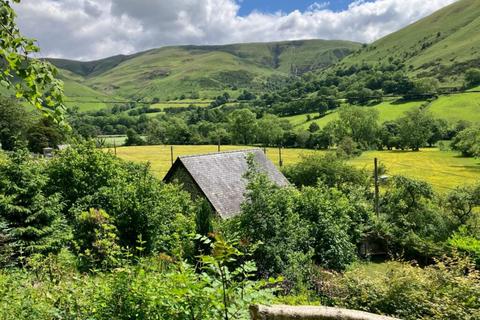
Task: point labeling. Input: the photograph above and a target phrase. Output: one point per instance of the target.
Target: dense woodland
(86, 235)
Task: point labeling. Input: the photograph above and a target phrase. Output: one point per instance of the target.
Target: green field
(443, 169)
(465, 106)
(159, 156)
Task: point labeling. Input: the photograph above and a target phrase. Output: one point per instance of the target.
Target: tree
(462, 201)
(360, 124)
(37, 84)
(325, 169)
(156, 132)
(44, 133)
(243, 126)
(467, 142)
(472, 77)
(14, 124)
(203, 226)
(329, 213)
(31, 219)
(320, 139)
(269, 217)
(389, 135)
(414, 222)
(363, 96)
(140, 205)
(270, 131)
(439, 131)
(424, 87)
(313, 127)
(415, 128)
(133, 138)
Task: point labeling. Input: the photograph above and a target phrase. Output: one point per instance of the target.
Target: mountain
(193, 71)
(442, 45)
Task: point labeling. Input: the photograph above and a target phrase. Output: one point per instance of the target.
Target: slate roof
(220, 177)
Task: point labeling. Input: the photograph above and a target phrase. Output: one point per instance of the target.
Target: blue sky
(272, 6)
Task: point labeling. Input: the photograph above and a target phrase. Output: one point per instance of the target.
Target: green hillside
(81, 96)
(443, 45)
(200, 71)
(452, 108)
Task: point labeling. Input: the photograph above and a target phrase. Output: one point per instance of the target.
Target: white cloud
(91, 29)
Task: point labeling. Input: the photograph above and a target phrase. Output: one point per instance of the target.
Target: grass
(453, 108)
(388, 110)
(111, 140)
(443, 169)
(169, 72)
(447, 38)
(457, 107)
(159, 156)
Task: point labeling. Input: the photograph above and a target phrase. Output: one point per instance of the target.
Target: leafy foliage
(467, 142)
(327, 169)
(38, 84)
(448, 289)
(415, 224)
(30, 220)
(96, 240)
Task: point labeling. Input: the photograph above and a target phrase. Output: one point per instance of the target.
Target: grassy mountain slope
(169, 72)
(79, 95)
(452, 108)
(443, 44)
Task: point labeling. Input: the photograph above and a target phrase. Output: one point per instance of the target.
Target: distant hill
(204, 71)
(443, 44)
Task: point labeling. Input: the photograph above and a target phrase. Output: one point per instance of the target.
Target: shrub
(269, 218)
(154, 288)
(140, 205)
(472, 77)
(82, 170)
(162, 215)
(331, 218)
(466, 243)
(329, 169)
(448, 289)
(414, 224)
(31, 222)
(96, 240)
(467, 142)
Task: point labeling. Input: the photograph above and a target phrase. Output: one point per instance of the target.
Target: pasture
(453, 108)
(443, 169)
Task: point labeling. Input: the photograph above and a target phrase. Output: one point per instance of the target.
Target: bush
(96, 240)
(448, 289)
(466, 243)
(413, 222)
(472, 77)
(141, 206)
(82, 170)
(269, 219)
(331, 218)
(467, 142)
(154, 288)
(30, 221)
(328, 169)
(160, 214)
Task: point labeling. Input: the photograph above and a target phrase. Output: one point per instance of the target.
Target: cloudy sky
(92, 29)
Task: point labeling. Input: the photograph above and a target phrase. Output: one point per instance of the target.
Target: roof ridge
(222, 152)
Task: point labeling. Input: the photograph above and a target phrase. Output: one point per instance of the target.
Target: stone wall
(310, 313)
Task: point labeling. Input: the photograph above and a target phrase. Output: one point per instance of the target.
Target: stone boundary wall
(281, 312)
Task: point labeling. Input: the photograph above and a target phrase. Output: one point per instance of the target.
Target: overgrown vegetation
(85, 235)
